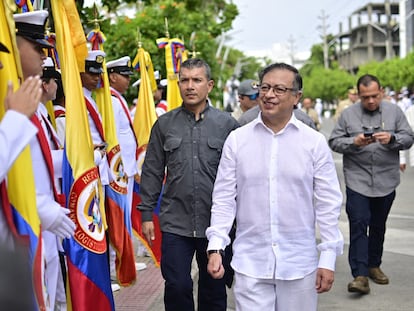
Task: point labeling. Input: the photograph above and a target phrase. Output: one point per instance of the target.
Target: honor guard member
(119, 73)
(90, 80)
(53, 78)
(16, 131)
(50, 203)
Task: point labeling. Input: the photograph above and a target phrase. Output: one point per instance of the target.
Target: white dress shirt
(278, 186)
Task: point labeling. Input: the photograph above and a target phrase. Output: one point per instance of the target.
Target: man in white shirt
(277, 200)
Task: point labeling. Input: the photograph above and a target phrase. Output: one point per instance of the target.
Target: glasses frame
(278, 90)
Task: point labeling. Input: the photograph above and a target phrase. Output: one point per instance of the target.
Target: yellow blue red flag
(89, 286)
(145, 117)
(19, 203)
(118, 213)
(173, 58)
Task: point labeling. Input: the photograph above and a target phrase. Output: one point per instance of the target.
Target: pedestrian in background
(276, 199)
(307, 107)
(186, 143)
(370, 135)
(352, 99)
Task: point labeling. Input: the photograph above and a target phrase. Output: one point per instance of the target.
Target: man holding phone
(370, 135)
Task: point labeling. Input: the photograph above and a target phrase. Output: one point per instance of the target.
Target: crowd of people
(243, 196)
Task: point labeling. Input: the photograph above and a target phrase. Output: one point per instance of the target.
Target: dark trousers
(367, 218)
(177, 254)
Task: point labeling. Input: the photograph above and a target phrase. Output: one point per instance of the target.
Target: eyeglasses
(278, 90)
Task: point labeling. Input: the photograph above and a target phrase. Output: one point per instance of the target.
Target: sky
(274, 28)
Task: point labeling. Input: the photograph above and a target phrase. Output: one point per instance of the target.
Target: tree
(207, 19)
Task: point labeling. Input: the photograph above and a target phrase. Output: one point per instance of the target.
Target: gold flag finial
(139, 38)
(95, 20)
(47, 28)
(193, 52)
(167, 34)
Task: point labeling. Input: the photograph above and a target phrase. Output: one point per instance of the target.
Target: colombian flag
(173, 59)
(118, 212)
(89, 286)
(145, 118)
(19, 202)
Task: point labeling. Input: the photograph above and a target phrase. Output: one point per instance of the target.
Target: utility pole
(291, 47)
(324, 28)
(388, 42)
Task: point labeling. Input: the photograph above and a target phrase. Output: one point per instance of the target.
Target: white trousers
(275, 295)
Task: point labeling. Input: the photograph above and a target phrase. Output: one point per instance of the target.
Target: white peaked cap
(94, 55)
(121, 65)
(48, 62)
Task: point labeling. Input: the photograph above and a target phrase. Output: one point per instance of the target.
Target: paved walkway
(147, 292)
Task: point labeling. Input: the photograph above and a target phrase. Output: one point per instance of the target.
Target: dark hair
(60, 94)
(197, 63)
(297, 81)
(366, 80)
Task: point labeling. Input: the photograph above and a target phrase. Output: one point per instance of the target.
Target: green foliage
(207, 19)
(328, 84)
(394, 73)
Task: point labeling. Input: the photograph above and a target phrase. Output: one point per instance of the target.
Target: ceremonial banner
(145, 117)
(89, 285)
(118, 212)
(19, 202)
(173, 59)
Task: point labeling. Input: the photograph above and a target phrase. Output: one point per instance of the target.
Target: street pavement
(398, 260)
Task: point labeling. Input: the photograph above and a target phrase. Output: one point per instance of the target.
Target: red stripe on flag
(155, 248)
(85, 289)
(122, 243)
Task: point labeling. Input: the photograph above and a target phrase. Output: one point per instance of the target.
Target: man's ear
(112, 78)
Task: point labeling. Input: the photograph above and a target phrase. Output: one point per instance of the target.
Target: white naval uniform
(16, 131)
(47, 207)
(127, 142)
(100, 161)
(60, 122)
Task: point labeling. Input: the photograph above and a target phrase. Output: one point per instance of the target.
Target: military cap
(121, 65)
(31, 26)
(94, 61)
(49, 69)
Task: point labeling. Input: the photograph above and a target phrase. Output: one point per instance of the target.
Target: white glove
(63, 226)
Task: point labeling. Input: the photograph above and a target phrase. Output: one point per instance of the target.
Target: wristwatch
(218, 251)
